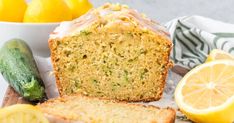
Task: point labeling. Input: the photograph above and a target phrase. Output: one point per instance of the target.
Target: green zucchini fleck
(85, 32)
(95, 81)
(144, 71)
(126, 76)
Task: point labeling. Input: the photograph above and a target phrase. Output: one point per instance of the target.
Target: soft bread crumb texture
(113, 60)
(93, 110)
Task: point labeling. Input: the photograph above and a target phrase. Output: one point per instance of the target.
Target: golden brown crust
(166, 115)
(169, 118)
(169, 65)
(51, 42)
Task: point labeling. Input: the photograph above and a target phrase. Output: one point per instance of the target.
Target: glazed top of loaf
(108, 14)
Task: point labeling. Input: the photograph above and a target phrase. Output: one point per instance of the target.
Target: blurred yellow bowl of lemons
(206, 93)
(12, 10)
(78, 7)
(217, 54)
(47, 11)
(22, 113)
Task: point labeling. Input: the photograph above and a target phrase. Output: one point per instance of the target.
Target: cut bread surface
(122, 59)
(93, 110)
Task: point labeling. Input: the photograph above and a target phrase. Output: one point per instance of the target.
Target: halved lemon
(206, 93)
(22, 113)
(217, 54)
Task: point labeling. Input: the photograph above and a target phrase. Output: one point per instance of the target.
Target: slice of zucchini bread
(112, 52)
(81, 109)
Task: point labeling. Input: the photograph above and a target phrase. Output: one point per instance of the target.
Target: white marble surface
(165, 10)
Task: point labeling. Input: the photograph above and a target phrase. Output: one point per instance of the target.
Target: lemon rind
(179, 97)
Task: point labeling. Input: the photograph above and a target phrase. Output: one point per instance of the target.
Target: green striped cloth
(195, 36)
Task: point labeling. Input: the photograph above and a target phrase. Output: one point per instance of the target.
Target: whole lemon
(12, 10)
(78, 7)
(44, 11)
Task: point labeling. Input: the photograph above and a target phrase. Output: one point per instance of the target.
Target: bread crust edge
(168, 118)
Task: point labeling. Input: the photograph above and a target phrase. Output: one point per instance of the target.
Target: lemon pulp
(206, 93)
(217, 54)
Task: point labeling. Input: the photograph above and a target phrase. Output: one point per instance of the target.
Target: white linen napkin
(195, 36)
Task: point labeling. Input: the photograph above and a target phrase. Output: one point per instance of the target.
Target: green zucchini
(18, 67)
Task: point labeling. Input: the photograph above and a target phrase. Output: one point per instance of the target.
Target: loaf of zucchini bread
(112, 52)
(81, 109)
